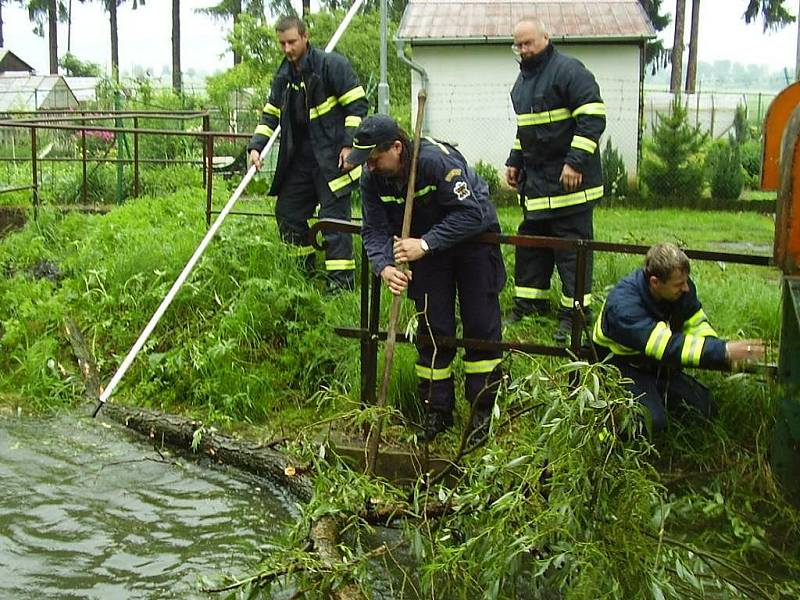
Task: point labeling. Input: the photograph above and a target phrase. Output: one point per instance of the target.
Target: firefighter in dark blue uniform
(555, 166)
(451, 207)
(317, 99)
(653, 324)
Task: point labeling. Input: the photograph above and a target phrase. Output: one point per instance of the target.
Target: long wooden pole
(374, 436)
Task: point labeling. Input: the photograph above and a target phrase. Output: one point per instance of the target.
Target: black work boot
(564, 331)
(527, 308)
(341, 281)
(479, 426)
(436, 423)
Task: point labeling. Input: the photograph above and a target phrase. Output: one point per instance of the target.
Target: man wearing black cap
(451, 207)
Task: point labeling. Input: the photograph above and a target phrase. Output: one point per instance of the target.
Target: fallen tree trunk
(182, 433)
(189, 434)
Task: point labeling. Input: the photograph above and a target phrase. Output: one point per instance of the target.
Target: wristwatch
(424, 245)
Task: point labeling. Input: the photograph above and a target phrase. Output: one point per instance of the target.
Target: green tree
(236, 9)
(49, 12)
(724, 168)
(655, 54)
(615, 175)
(772, 12)
(741, 127)
(255, 41)
(75, 67)
(671, 167)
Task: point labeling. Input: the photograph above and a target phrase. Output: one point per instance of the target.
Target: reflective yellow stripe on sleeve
(691, 350)
(265, 130)
(600, 338)
(323, 108)
(481, 366)
(352, 121)
(426, 372)
(352, 95)
(698, 325)
(584, 143)
(344, 180)
(595, 109)
(271, 109)
(517, 145)
(657, 342)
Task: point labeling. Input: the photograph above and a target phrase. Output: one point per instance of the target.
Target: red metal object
(778, 113)
(787, 215)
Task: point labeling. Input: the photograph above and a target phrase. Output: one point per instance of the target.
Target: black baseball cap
(373, 131)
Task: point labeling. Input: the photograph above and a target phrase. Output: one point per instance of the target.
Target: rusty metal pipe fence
(369, 334)
(76, 122)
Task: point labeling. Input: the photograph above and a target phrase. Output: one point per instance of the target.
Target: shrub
(741, 128)
(750, 153)
(490, 175)
(724, 168)
(615, 175)
(671, 168)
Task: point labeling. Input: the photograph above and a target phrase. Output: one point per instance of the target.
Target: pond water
(89, 510)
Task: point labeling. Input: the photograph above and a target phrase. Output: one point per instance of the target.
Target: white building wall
(469, 96)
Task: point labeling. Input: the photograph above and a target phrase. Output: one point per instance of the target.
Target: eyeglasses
(518, 48)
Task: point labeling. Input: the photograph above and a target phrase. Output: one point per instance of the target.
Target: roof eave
(442, 41)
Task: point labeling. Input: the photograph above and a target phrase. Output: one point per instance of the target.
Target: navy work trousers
(475, 273)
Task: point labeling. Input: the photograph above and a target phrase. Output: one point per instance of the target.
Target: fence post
(209, 146)
(135, 157)
(697, 107)
(34, 169)
(713, 115)
(84, 190)
(206, 127)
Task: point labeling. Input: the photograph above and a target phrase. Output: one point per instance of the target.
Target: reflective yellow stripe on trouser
(344, 180)
(301, 250)
(568, 302)
(340, 264)
(530, 293)
(481, 366)
(426, 372)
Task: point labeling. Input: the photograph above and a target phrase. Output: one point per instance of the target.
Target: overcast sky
(145, 36)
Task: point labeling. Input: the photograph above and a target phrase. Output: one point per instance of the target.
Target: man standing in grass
(653, 324)
(318, 101)
(555, 167)
(451, 207)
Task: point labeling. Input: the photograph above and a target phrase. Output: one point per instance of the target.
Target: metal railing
(369, 333)
(76, 122)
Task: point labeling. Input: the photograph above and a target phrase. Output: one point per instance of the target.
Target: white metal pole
(148, 329)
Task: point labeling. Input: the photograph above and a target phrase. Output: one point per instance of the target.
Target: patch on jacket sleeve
(461, 190)
(451, 174)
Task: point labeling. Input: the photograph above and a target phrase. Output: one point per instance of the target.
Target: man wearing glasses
(555, 166)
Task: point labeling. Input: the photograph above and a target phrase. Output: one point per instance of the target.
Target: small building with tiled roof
(464, 48)
(11, 63)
